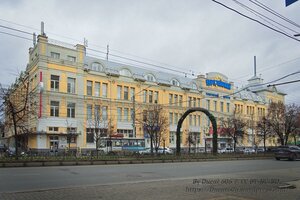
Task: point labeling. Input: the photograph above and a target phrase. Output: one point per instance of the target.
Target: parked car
(249, 150)
(260, 150)
(145, 151)
(287, 152)
(165, 150)
(226, 150)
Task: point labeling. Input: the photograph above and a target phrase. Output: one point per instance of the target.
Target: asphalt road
(244, 179)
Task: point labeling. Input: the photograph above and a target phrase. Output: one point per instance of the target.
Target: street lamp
(297, 35)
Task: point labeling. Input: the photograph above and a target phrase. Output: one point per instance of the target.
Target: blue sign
(218, 83)
(289, 2)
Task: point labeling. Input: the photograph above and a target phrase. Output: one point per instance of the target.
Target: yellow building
(77, 93)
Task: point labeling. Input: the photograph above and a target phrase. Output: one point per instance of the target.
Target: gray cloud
(194, 35)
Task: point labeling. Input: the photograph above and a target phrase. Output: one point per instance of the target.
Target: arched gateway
(214, 125)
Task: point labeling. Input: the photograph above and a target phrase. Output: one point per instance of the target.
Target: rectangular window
(175, 99)
(132, 92)
(90, 135)
(180, 100)
(104, 113)
(126, 93)
(155, 97)
(126, 114)
(150, 96)
(172, 137)
(131, 114)
(170, 99)
(97, 113)
(215, 105)
(145, 96)
(55, 55)
(71, 58)
(176, 118)
(71, 85)
(195, 120)
(190, 102)
(97, 89)
(54, 108)
(71, 110)
(119, 114)
(54, 129)
(104, 89)
(89, 109)
(191, 120)
(222, 106)
(171, 118)
(54, 83)
(199, 120)
(194, 102)
(89, 87)
(208, 104)
(198, 102)
(119, 92)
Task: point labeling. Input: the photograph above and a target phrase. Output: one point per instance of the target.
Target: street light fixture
(297, 35)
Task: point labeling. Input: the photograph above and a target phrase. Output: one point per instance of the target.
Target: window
(132, 92)
(180, 100)
(119, 114)
(194, 102)
(126, 93)
(89, 109)
(150, 78)
(195, 120)
(215, 105)
(175, 99)
(104, 113)
(172, 137)
(208, 104)
(222, 106)
(171, 118)
(194, 86)
(71, 58)
(54, 108)
(125, 72)
(145, 96)
(89, 87)
(71, 85)
(119, 92)
(175, 82)
(190, 102)
(54, 129)
(96, 67)
(155, 97)
(191, 120)
(198, 102)
(89, 135)
(126, 114)
(199, 120)
(170, 99)
(55, 55)
(176, 118)
(71, 137)
(71, 110)
(104, 89)
(97, 113)
(97, 89)
(131, 113)
(150, 96)
(54, 83)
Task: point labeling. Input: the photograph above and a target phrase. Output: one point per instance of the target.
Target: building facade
(76, 94)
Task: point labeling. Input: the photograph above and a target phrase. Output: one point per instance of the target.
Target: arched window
(125, 72)
(150, 78)
(97, 67)
(175, 82)
(194, 86)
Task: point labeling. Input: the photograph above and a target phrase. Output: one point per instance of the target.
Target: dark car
(287, 152)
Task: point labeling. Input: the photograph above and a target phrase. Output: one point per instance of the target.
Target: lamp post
(297, 35)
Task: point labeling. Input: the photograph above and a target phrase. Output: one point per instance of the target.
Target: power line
(18, 30)
(284, 83)
(263, 16)
(15, 36)
(257, 21)
(263, 6)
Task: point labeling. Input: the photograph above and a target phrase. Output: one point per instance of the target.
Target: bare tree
(191, 140)
(155, 123)
(18, 107)
(283, 120)
(233, 126)
(264, 130)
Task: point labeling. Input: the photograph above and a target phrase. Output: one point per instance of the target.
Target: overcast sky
(198, 36)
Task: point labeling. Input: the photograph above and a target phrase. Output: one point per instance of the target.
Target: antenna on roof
(85, 42)
(107, 51)
(42, 29)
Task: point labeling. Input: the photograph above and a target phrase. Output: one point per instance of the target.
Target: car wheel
(292, 157)
(277, 158)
